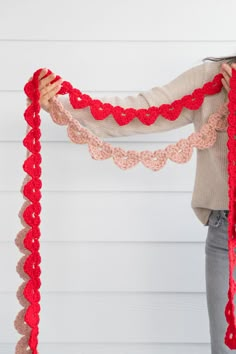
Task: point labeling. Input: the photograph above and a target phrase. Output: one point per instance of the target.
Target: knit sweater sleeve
(182, 85)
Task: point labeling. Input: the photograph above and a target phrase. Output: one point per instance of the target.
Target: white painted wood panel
(138, 216)
(118, 20)
(116, 348)
(113, 267)
(135, 303)
(121, 66)
(120, 318)
(76, 170)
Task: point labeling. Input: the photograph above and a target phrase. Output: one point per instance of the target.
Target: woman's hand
(47, 90)
(226, 70)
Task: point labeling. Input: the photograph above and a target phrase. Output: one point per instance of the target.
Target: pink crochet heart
(57, 114)
(100, 151)
(77, 133)
(204, 138)
(180, 152)
(222, 123)
(154, 160)
(125, 159)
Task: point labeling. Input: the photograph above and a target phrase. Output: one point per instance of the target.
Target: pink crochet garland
(179, 152)
(27, 240)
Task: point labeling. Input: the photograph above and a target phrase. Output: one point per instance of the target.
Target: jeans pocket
(215, 218)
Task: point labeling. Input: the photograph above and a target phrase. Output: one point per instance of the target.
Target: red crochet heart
(123, 115)
(78, 101)
(31, 214)
(31, 265)
(32, 190)
(172, 111)
(100, 111)
(33, 340)
(192, 102)
(32, 314)
(31, 293)
(32, 244)
(31, 167)
(148, 116)
(31, 140)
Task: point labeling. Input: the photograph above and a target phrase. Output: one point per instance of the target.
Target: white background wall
(122, 252)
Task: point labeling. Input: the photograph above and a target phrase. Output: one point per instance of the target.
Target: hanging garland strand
(230, 336)
(27, 240)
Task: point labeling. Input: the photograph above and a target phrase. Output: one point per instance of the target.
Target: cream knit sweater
(211, 178)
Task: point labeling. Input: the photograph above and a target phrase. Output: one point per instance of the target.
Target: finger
(30, 78)
(42, 73)
(51, 87)
(225, 84)
(227, 68)
(51, 93)
(44, 82)
(226, 76)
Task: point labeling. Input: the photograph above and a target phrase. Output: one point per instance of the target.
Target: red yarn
(27, 321)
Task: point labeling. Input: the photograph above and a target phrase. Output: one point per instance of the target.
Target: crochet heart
(123, 116)
(204, 138)
(100, 151)
(172, 111)
(77, 133)
(32, 190)
(31, 214)
(125, 159)
(81, 101)
(30, 292)
(180, 152)
(31, 165)
(31, 315)
(100, 111)
(153, 160)
(31, 140)
(222, 122)
(192, 102)
(148, 116)
(31, 266)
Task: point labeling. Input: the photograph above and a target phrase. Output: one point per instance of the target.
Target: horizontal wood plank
(116, 348)
(69, 167)
(122, 66)
(144, 318)
(119, 20)
(132, 217)
(112, 267)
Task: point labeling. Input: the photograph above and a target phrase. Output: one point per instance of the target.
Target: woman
(210, 194)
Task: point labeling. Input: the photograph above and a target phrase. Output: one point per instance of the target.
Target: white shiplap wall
(114, 244)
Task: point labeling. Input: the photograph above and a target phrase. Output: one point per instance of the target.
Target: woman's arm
(182, 85)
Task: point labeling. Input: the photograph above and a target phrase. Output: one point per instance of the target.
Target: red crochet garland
(27, 320)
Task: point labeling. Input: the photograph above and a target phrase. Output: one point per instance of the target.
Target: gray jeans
(217, 279)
